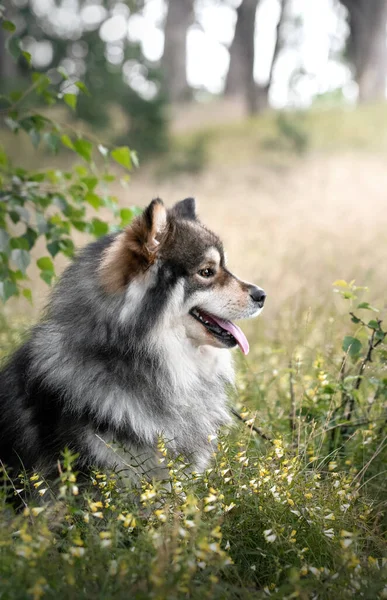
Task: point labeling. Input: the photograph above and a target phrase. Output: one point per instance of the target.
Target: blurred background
(270, 112)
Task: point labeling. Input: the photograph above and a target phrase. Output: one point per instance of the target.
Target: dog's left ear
(185, 209)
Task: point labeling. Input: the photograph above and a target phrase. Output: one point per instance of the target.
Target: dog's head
(167, 258)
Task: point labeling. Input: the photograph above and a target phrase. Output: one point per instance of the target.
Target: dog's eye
(206, 273)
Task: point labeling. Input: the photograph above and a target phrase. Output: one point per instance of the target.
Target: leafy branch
(51, 203)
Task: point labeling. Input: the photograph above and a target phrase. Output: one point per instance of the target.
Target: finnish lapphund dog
(134, 345)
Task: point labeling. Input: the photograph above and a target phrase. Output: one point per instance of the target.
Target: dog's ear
(155, 221)
(185, 209)
(135, 248)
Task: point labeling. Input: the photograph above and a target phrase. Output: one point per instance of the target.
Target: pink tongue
(235, 331)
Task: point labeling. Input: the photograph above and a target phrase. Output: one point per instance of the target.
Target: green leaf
(27, 294)
(8, 26)
(81, 86)
(21, 258)
(66, 141)
(99, 227)
(352, 346)
(126, 215)
(83, 148)
(12, 124)
(63, 72)
(94, 200)
(367, 306)
(355, 319)
(122, 157)
(53, 248)
(34, 137)
(47, 276)
(4, 240)
(45, 264)
(373, 324)
(19, 243)
(52, 141)
(71, 100)
(90, 182)
(7, 289)
(13, 46)
(27, 56)
(30, 236)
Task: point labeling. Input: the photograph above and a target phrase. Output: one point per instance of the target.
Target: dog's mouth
(224, 331)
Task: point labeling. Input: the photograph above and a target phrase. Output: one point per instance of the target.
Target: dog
(134, 345)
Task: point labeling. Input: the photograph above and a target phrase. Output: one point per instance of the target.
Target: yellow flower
(77, 551)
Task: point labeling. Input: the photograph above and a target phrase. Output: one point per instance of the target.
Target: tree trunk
(240, 77)
(367, 48)
(179, 18)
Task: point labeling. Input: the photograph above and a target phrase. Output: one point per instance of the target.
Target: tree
(367, 49)
(113, 68)
(179, 17)
(240, 79)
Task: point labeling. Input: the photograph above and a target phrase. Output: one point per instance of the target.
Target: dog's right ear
(185, 209)
(155, 221)
(135, 248)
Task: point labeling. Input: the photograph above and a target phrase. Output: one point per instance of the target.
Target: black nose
(258, 295)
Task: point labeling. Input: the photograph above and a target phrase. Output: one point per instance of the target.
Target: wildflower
(329, 533)
(292, 538)
(77, 551)
(270, 537)
(94, 506)
(346, 540)
(160, 514)
(113, 568)
(330, 517)
(37, 590)
(128, 520)
(229, 507)
(148, 494)
(37, 510)
(373, 562)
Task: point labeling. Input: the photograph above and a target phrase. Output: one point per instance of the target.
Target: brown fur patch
(135, 249)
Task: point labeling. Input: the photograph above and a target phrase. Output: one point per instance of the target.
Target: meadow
(294, 503)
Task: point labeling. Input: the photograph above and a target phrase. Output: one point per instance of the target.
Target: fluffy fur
(118, 360)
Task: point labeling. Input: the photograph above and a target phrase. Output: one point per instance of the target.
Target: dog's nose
(258, 295)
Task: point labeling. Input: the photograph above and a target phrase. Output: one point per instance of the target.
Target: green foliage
(187, 156)
(49, 203)
(290, 134)
(116, 77)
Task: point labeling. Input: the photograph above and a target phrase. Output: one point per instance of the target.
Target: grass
(301, 516)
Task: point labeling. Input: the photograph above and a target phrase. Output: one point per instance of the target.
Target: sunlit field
(294, 504)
